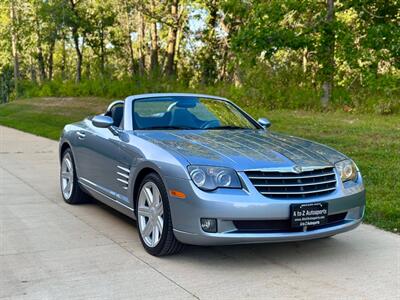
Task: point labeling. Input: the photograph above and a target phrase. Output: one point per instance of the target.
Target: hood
(243, 149)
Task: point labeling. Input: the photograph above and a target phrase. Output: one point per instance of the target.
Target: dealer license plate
(309, 214)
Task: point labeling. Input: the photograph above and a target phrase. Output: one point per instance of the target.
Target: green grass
(47, 116)
(373, 141)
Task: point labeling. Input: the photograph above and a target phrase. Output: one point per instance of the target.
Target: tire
(74, 194)
(148, 218)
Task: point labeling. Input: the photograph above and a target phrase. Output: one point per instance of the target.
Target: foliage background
(274, 54)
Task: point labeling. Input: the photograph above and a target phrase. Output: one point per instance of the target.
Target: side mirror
(102, 121)
(264, 122)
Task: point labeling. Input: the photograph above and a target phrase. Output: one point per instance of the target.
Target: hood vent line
(274, 142)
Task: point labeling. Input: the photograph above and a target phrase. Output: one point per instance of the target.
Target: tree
(141, 38)
(328, 53)
(154, 42)
(74, 20)
(260, 46)
(99, 20)
(127, 11)
(38, 31)
(172, 35)
(14, 42)
(211, 52)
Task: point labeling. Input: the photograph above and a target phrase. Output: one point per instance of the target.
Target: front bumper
(231, 205)
(249, 238)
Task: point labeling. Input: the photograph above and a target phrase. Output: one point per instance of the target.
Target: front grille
(292, 185)
(266, 226)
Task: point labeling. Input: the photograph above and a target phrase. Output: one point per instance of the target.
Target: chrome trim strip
(160, 95)
(298, 193)
(294, 184)
(104, 195)
(88, 181)
(291, 177)
(111, 105)
(124, 169)
(123, 175)
(290, 169)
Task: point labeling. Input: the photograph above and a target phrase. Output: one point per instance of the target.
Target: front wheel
(70, 189)
(154, 218)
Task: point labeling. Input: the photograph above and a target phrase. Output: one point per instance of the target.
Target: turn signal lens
(177, 194)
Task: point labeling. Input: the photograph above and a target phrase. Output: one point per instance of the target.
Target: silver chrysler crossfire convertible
(196, 169)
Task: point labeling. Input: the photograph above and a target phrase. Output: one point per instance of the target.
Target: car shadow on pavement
(248, 255)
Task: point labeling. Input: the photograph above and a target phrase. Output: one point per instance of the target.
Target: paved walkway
(51, 250)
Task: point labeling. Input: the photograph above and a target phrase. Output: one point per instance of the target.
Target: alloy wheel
(150, 214)
(67, 176)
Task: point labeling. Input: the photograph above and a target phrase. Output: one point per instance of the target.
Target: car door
(81, 155)
(99, 152)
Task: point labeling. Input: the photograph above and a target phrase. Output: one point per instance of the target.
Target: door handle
(81, 135)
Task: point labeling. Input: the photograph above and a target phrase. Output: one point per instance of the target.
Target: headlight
(347, 170)
(210, 178)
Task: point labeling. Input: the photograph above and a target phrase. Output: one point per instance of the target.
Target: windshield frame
(130, 109)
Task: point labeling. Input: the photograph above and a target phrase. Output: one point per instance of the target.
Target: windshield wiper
(168, 127)
(227, 127)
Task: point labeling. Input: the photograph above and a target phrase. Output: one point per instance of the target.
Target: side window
(153, 108)
(116, 112)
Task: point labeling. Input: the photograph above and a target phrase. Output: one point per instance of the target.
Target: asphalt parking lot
(51, 250)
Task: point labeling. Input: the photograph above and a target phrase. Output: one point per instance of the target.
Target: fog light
(208, 225)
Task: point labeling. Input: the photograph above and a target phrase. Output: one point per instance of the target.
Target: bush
(258, 89)
(6, 83)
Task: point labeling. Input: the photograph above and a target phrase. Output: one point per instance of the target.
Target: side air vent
(123, 176)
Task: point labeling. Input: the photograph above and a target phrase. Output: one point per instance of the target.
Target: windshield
(184, 112)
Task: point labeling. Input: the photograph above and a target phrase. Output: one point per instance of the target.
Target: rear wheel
(154, 218)
(70, 189)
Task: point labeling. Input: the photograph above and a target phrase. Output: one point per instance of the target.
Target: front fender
(162, 168)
